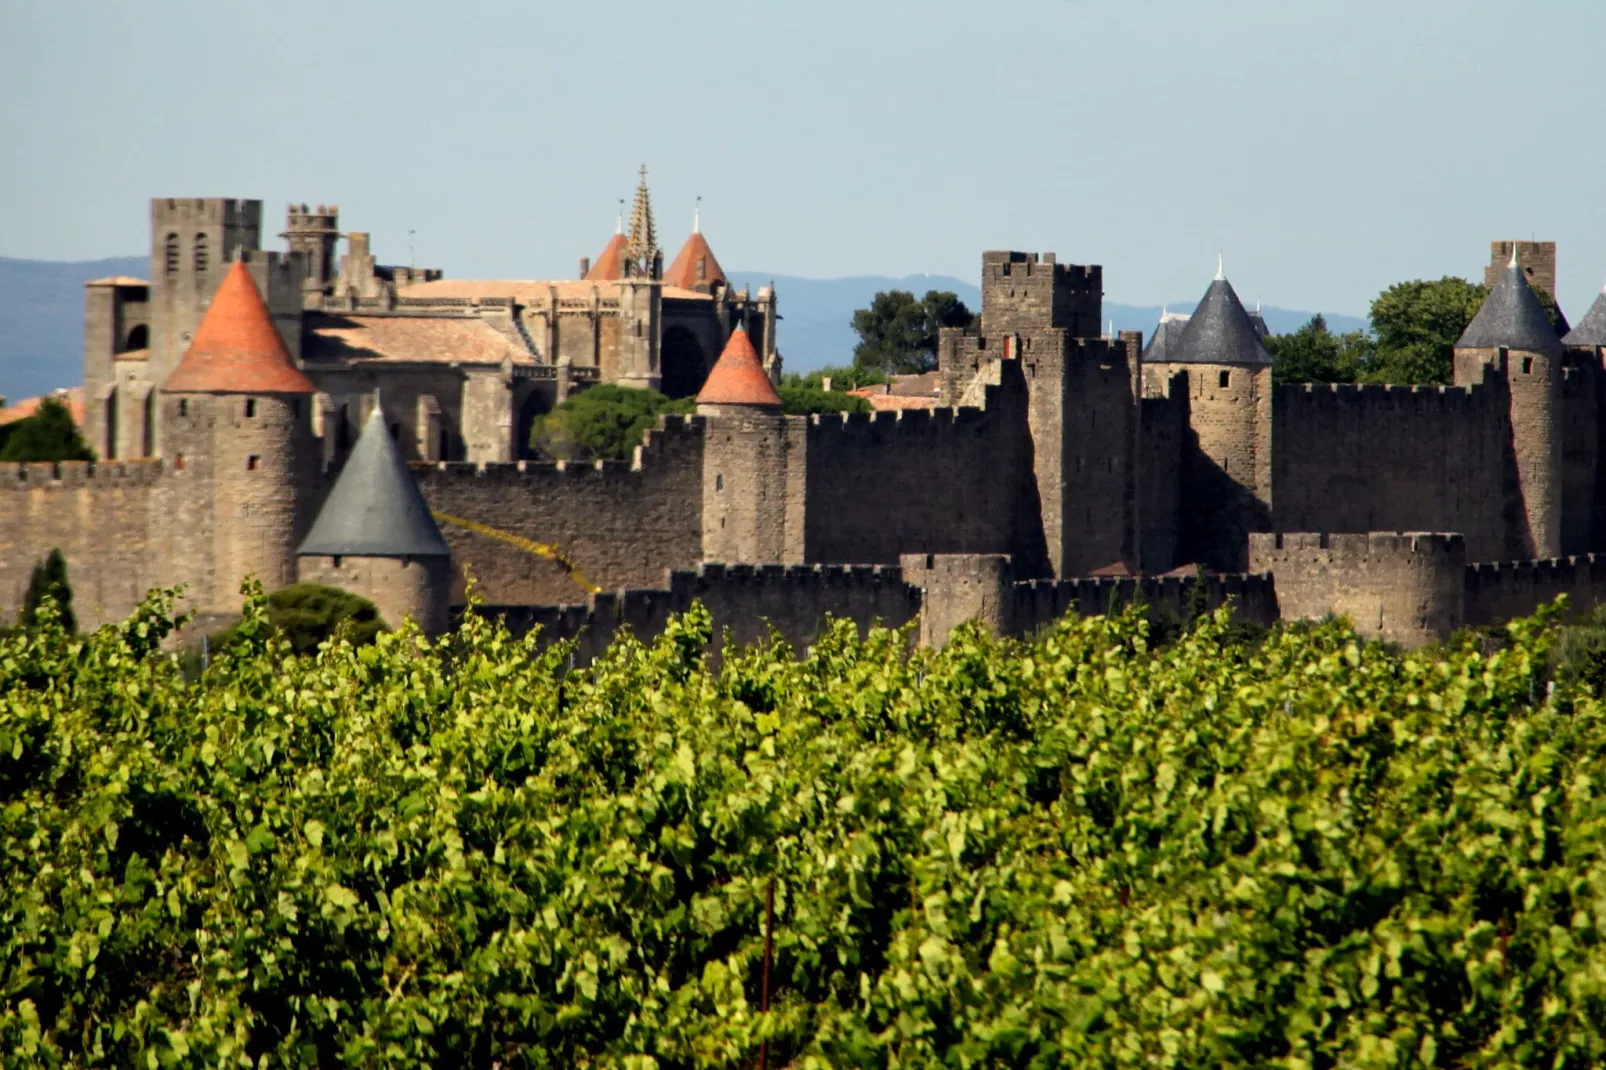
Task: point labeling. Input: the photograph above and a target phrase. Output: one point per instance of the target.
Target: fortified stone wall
(1497, 592)
(1162, 435)
(1403, 588)
(931, 480)
(748, 600)
(1097, 430)
(961, 587)
(99, 516)
(1581, 470)
(1398, 458)
(621, 523)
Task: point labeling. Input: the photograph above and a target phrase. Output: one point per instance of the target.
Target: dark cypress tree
(49, 578)
(48, 435)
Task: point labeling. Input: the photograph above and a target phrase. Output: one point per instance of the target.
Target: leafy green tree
(803, 400)
(606, 422)
(49, 580)
(1416, 325)
(305, 614)
(47, 435)
(1313, 354)
(843, 377)
(898, 334)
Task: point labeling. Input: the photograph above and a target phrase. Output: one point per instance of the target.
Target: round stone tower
(1227, 469)
(1512, 336)
(375, 536)
(237, 436)
(752, 501)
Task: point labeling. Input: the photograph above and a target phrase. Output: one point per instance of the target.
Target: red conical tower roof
(738, 378)
(683, 272)
(609, 265)
(236, 349)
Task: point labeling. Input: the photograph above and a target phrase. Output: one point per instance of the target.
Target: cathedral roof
(1218, 332)
(236, 349)
(1591, 330)
(375, 508)
(683, 272)
(738, 378)
(410, 339)
(1165, 337)
(1512, 317)
(609, 264)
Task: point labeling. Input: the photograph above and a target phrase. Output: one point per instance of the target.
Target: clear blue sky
(1328, 147)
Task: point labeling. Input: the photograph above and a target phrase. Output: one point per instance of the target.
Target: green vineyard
(1295, 850)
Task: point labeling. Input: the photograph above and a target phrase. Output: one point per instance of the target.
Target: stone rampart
(1400, 587)
(748, 600)
(620, 523)
(945, 480)
(99, 516)
(1496, 592)
(1392, 458)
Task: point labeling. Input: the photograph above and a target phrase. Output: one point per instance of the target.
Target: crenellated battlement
(74, 475)
(1351, 545)
(1498, 591)
(1314, 398)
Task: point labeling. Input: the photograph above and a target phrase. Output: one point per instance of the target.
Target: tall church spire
(642, 249)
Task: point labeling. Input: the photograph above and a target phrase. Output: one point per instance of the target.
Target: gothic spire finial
(1513, 255)
(643, 245)
(1221, 272)
(697, 216)
(619, 220)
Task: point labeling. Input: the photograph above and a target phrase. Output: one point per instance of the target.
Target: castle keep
(283, 415)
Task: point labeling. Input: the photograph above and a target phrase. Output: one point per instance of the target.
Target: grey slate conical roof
(1219, 332)
(1164, 340)
(1591, 330)
(375, 508)
(1512, 317)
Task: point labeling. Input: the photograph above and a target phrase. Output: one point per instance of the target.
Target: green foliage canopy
(605, 422)
(1075, 851)
(48, 435)
(1313, 354)
(803, 400)
(898, 334)
(305, 614)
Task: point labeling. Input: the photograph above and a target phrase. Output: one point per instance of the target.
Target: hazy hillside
(42, 316)
(42, 320)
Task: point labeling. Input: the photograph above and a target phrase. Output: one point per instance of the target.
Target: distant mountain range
(42, 316)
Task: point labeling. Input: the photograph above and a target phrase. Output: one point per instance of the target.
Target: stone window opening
(201, 258)
(1226, 378)
(138, 338)
(250, 407)
(170, 255)
(178, 462)
(1527, 365)
(183, 407)
(719, 482)
(252, 462)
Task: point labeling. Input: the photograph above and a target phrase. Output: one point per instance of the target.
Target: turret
(375, 536)
(1512, 336)
(752, 463)
(236, 414)
(1227, 476)
(314, 233)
